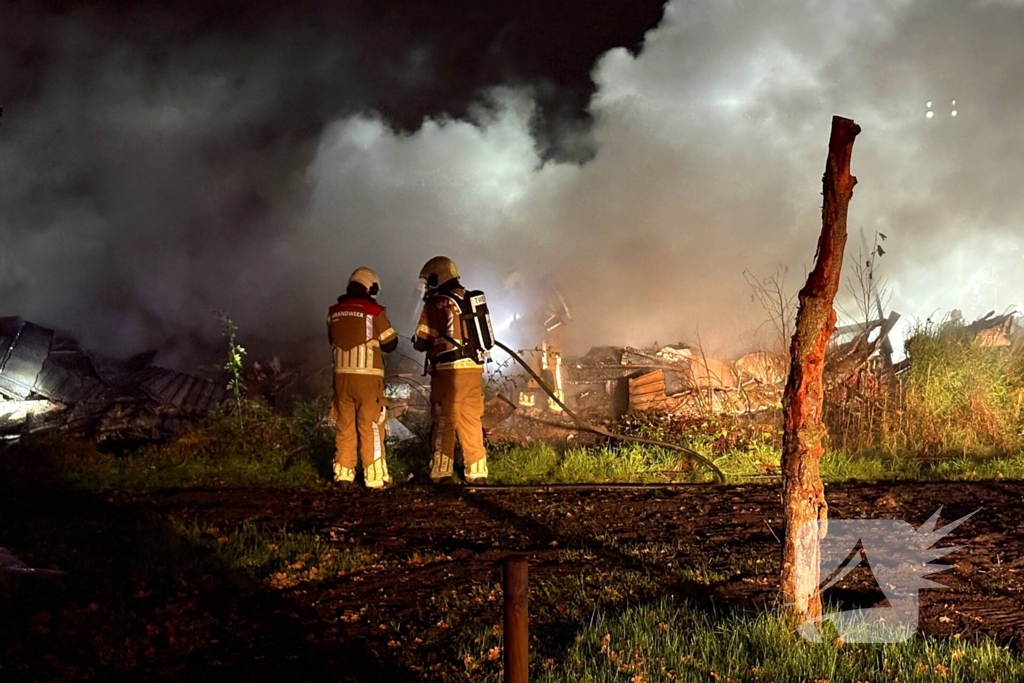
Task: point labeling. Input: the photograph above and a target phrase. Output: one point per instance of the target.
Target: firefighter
(456, 375)
(542, 326)
(360, 334)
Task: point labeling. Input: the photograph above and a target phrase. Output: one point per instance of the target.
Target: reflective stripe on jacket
(357, 327)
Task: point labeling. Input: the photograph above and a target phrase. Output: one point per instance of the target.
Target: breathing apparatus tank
(477, 331)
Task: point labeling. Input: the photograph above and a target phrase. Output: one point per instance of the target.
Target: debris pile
(49, 383)
(275, 382)
(679, 379)
(993, 330)
(674, 379)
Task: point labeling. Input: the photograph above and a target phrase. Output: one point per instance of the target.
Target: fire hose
(584, 426)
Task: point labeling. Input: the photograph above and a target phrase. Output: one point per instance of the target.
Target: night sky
(157, 164)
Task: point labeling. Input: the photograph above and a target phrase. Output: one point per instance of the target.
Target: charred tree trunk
(803, 495)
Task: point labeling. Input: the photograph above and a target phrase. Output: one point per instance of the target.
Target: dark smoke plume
(246, 159)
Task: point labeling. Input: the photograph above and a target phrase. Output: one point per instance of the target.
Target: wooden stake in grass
(515, 586)
(803, 495)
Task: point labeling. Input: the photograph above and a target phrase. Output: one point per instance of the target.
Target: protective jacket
(441, 332)
(360, 334)
(360, 331)
(456, 386)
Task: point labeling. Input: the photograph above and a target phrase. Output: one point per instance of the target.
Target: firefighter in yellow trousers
(543, 323)
(360, 334)
(456, 375)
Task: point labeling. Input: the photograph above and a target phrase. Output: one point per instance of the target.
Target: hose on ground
(584, 426)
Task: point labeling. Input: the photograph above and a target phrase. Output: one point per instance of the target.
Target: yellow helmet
(367, 278)
(438, 271)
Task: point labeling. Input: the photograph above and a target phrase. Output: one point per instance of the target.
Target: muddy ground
(434, 580)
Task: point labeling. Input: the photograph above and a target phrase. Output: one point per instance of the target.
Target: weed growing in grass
(236, 356)
(284, 558)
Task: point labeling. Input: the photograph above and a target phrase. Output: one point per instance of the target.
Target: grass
(621, 626)
(630, 463)
(960, 397)
(248, 447)
(285, 558)
(956, 398)
(203, 458)
(675, 642)
(150, 470)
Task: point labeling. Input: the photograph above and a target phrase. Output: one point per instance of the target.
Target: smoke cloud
(226, 174)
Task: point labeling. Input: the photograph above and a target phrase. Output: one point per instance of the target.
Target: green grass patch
(248, 447)
(284, 557)
(961, 397)
(956, 398)
(542, 464)
(254, 447)
(671, 642)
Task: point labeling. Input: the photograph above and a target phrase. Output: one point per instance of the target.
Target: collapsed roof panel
(177, 390)
(9, 328)
(112, 371)
(57, 383)
(184, 392)
(207, 395)
(103, 395)
(22, 360)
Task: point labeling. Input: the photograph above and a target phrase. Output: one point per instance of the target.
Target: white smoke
(710, 146)
(707, 153)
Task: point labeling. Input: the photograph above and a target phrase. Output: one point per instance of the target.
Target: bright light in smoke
(976, 277)
(930, 114)
(505, 325)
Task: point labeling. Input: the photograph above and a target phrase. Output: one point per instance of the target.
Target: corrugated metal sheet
(35, 362)
(184, 392)
(9, 328)
(155, 382)
(112, 371)
(23, 360)
(58, 383)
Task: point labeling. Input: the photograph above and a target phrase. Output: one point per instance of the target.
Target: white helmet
(367, 278)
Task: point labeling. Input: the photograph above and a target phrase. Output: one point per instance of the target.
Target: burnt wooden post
(803, 494)
(515, 587)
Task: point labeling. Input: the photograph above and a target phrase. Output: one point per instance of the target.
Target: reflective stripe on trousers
(361, 416)
(457, 406)
(376, 473)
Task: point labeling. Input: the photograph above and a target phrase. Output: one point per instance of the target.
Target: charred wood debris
(48, 383)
